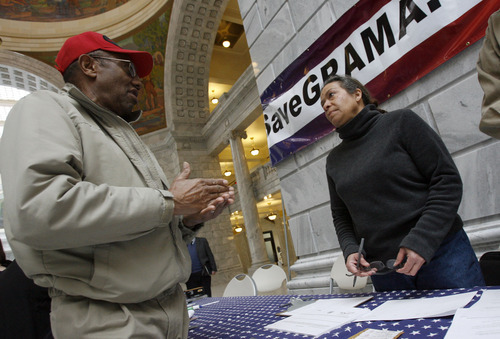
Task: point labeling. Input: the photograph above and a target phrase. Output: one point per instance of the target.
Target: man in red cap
(89, 212)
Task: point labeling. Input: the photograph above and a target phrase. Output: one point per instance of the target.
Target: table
(245, 317)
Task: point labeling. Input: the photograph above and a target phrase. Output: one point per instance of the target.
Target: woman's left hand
(413, 261)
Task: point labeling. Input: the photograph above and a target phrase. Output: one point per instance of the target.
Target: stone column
(248, 203)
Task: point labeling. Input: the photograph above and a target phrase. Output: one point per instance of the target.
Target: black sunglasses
(381, 268)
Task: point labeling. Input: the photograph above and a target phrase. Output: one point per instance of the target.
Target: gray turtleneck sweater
(393, 182)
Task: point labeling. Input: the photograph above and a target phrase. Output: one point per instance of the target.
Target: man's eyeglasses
(382, 268)
(131, 67)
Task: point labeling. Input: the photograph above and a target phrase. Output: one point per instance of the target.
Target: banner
(385, 44)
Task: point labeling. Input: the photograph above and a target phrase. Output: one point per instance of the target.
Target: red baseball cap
(91, 41)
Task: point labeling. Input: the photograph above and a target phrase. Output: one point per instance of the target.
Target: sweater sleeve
(342, 221)
(488, 70)
(434, 162)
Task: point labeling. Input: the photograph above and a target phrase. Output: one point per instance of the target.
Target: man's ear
(88, 65)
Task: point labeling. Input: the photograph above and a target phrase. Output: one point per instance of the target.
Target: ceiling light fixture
(254, 151)
(272, 216)
(238, 229)
(227, 173)
(214, 100)
(226, 43)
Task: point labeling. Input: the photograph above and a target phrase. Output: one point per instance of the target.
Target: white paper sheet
(324, 306)
(490, 299)
(317, 324)
(481, 320)
(419, 308)
(474, 323)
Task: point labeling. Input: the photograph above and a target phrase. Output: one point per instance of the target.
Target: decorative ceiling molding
(24, 36)
(190, 42)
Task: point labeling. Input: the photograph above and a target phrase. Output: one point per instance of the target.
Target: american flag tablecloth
(246, 317)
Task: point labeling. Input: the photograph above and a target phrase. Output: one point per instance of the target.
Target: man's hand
(211, 211)
(413, 261)
(203, 198)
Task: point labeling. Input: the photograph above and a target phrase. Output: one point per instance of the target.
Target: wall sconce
(254, 151)
(227, 173)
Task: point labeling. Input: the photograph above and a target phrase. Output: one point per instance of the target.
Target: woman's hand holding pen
(352, 266)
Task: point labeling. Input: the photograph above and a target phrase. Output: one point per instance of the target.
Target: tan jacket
(488, 69)
(86, 210)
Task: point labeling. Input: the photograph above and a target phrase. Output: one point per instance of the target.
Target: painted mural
(55, 10)
(153, 39)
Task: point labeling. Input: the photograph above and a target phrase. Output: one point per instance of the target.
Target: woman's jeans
(454, 265)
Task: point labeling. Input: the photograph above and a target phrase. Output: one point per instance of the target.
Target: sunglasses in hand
(381, 268)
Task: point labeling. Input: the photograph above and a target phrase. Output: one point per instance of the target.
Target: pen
(195, 307)
(358, 264)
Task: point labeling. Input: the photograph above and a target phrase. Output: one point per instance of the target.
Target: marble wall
(448, 98)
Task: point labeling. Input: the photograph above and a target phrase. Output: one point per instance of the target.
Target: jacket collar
(85, 101)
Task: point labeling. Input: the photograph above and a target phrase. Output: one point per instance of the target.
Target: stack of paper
(321, 316)
(326, 315)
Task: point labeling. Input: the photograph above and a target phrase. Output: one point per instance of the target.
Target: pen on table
(358, 264)
(195, 307)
